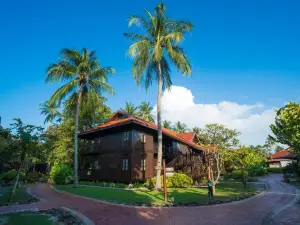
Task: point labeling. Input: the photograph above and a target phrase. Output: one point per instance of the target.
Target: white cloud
(251, 120)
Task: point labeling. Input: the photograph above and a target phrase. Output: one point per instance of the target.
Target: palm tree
(50, 110)
(130, 109)
(144, 112)
(83, 73)
(197, 130)
(167, 124)
(159, 41)
(180, 127)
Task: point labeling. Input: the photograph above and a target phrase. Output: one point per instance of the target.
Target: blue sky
(246, 52)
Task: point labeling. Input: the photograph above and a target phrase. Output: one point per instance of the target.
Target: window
(126, 136)
(125, 164)
(96, 165)
(143, 138)
(143, 164)
(155, 155)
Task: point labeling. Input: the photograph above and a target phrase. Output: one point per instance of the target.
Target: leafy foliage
(286, 129)
(10, 176)
(61, 174)
(180, 127)
(50, 110)
(274, 170)
(130, 109)
(178, 180)
(219, 135)
(257, 170)
(145, 112)
(237, 174)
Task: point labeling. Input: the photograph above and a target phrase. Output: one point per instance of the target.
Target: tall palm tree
(144, 112)
(50, 110)
(160, 40)
(167, 124)
(130, 109)
(180, 127)
(83, 74)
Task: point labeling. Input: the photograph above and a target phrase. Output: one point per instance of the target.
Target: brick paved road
(252, 211)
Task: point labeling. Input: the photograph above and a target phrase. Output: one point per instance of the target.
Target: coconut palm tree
(180, 127)
(50, 110)
(159, 41)
(83, 74)
(130, 109)
(144, 112)
(167, 124)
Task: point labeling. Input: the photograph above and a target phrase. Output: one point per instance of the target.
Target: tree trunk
(76, 139)
(159, 130)
(13, 190)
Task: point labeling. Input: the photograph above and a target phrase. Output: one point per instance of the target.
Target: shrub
(257, 171)
(178, 180)
(274, 170)
(290, 168)
(33, 177)
(61, 174)
(9, 177)
(227, 176)
(237, 174)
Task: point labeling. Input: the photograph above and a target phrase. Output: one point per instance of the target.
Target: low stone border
(61, 215)
(235, 200)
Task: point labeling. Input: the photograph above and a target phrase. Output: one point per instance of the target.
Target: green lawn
(296, 184)
(20, 195)
(224, 191)
(25, 218)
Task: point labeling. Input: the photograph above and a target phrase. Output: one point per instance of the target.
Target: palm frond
(73, 56)
(63, 91)
(61, 71)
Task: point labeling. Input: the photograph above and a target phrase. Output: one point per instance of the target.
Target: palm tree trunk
(76, 139)
(159, 139)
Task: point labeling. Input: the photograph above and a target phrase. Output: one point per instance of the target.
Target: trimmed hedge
(274, 170)
(61, 174)
(257, 171)
(236, 174)
(178, 180)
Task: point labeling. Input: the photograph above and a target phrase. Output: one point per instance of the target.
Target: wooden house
(125, 150)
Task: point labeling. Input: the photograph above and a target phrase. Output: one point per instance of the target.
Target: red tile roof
(165, 131)
(187, 136)
(283, 154)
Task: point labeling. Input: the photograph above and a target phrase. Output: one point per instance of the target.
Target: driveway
(257, 210)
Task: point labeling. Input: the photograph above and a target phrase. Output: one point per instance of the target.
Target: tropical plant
(167, 124)
(83, 74)
(150, 51)
(28, 138)
(50, 110)
(61, 174)
(130, 109)
(180, 127)
(144, 112)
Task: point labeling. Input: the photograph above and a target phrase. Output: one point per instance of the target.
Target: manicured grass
(296, 184)
(25, 218)
(224, 191)
(20, 195)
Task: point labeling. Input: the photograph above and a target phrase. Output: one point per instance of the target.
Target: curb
(28, 191)
(161, 207)
(82, 217)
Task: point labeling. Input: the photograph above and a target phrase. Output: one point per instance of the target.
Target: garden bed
(45, 217)
(20, 197)
(225, 192)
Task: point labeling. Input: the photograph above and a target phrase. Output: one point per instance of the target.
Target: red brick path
(252, 211)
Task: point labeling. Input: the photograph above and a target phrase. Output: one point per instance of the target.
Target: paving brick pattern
(249, 212)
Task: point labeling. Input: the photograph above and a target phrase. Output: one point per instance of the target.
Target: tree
(219, 135)
(286, 129)
(180, 127)
(167, 124)
(144, 112)
(83, 74)
(245, 157)
(27, 137)
(130, 109)
(160, 39)
(50, 110)
(196, 130)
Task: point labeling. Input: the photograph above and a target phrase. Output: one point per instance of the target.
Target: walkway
(253, 211)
